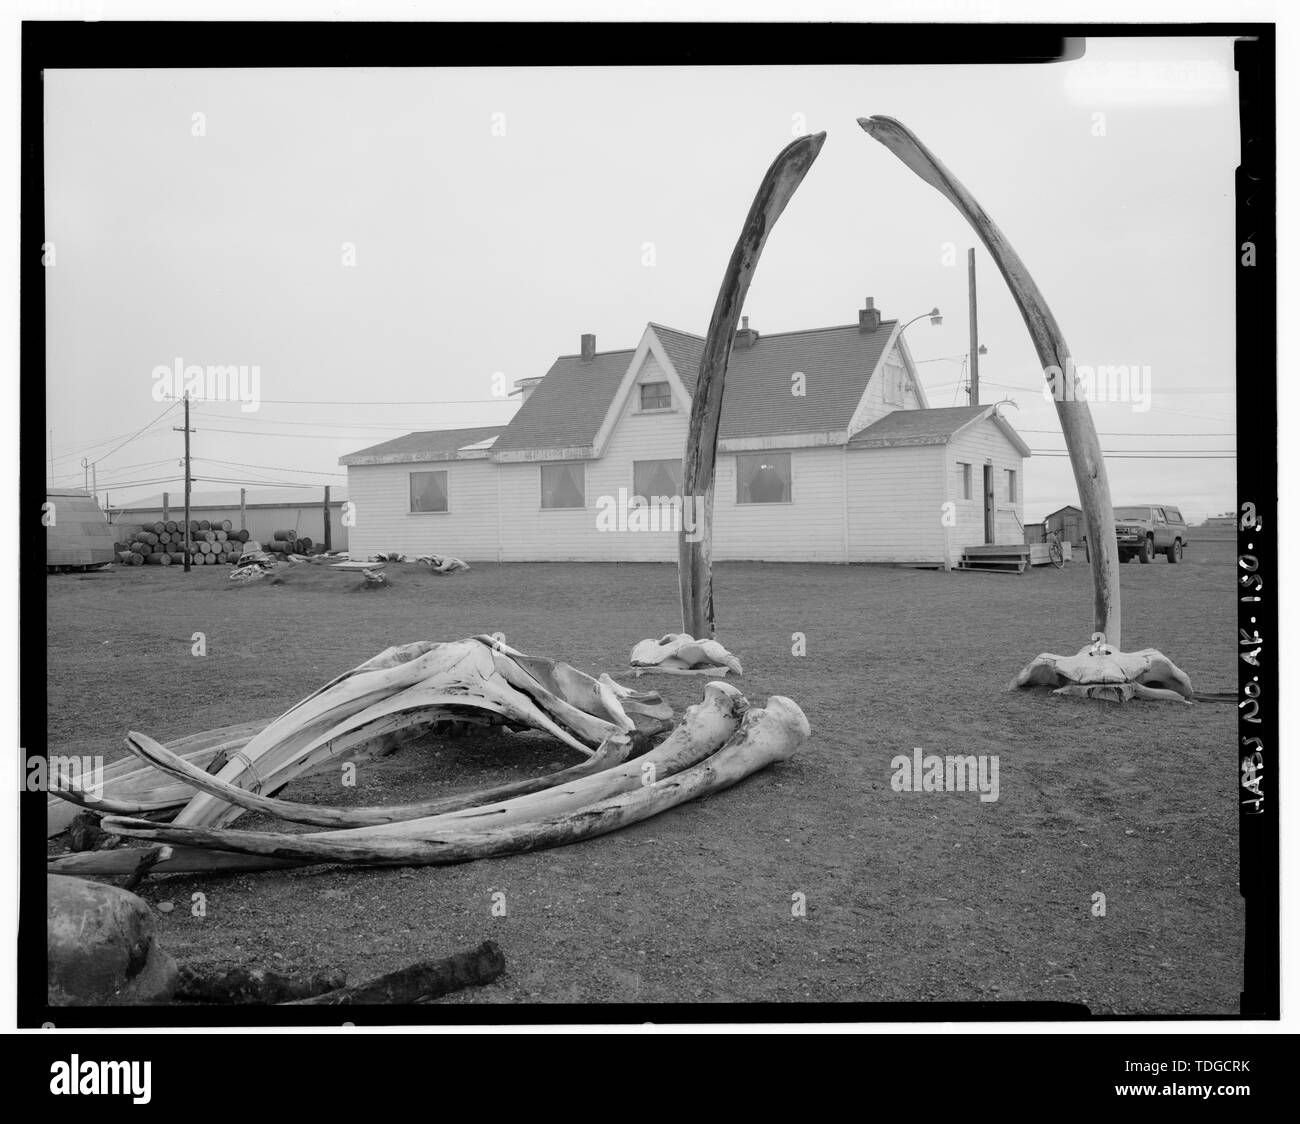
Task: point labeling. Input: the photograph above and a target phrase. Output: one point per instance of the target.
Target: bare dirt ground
(910, 896)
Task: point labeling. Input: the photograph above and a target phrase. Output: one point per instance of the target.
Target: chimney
(588, 347)
(745, 335)
(869, 317)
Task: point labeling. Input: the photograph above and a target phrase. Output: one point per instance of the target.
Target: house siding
(381, 501)
(895, 503)
(977, 445)
(531, 534)
(874, 405)
(810, 528)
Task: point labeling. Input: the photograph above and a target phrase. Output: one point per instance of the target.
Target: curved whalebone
(765, 736)
(134, 787)
(695, 547)
(1053, 353)
(702, 730)
(612, 752)
(413, 684)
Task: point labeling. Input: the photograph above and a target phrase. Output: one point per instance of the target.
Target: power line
(92, 445)
(353, 426)
(270, 467)
(266, 433)
(1127, 433)
(368, 402)
(137, 433)
(1163, 456)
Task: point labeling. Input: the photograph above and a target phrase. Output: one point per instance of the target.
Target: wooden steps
(996, 558)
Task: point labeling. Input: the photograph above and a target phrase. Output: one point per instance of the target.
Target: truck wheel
(1175, 552)
(1146, 552)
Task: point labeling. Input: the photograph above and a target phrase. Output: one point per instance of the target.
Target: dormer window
(656, 396)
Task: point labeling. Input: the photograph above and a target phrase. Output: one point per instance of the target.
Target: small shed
(76, 533)
(1068, 523)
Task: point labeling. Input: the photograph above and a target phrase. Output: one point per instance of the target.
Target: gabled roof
(1067, 507)
(837, 364)
(930, 427)
(566, 408)
(564, 413)
(432, 445)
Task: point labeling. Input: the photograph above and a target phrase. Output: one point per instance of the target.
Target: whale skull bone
(1102, 671)
(682, 652)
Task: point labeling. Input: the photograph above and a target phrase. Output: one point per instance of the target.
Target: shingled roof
(928, 427)
(565, 409)
(431, 445)
(836, 363)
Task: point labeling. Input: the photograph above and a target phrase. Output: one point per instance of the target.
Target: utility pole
(974, 331)
(188, 431)
(85, 475)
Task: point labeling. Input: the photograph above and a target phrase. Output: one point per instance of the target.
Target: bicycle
(1055, 551)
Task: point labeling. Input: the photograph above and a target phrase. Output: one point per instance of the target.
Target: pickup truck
(1150, 529)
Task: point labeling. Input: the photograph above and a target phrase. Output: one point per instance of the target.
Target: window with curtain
(563, 485)
(429, 491)
(656, 478)
(1011, 485)
(763, 478)
(965, 471)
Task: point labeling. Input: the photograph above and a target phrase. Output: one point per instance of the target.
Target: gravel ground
(909, 896)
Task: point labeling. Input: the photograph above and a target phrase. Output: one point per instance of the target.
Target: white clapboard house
(828, 452)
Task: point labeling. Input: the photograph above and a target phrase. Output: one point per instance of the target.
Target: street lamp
(935, 319)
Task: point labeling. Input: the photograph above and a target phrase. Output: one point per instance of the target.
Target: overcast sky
(498, 214)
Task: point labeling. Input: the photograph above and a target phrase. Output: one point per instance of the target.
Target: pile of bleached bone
(442, 564)
(680, 654)
(719, 742)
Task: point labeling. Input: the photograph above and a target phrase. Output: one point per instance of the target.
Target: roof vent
(525, 387)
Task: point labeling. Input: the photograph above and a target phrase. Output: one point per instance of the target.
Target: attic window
(895, 383)
(656, 396)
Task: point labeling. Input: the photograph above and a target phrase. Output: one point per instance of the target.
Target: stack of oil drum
(167, 543)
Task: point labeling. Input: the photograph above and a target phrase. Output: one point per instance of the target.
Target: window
(763, 478)
(656, 396)
(563, 485)
(892, 391)
(660, 480)
(965, 471)
(428, 491)
(1011, 485)
(1175, 516)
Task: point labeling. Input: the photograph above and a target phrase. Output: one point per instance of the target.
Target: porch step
(996, 558)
